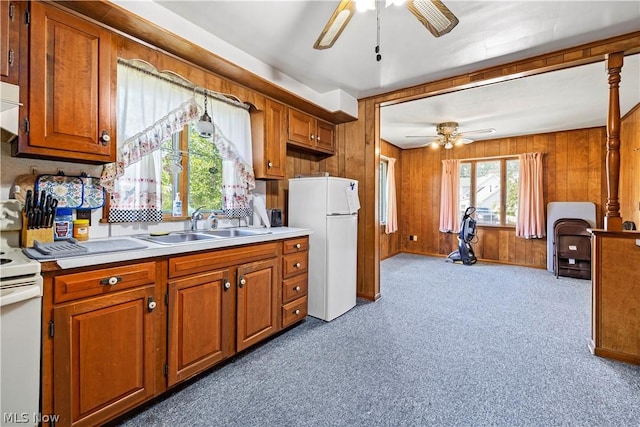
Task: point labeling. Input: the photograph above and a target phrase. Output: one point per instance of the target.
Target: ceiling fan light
(448, 145)
(435, 144)
(434, 15)
(336, 24)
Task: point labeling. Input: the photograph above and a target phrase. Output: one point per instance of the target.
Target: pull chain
(378, 55)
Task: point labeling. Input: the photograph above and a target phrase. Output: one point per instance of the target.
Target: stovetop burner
(4, 261)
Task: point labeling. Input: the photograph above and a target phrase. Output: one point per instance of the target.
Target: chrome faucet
(195, 216)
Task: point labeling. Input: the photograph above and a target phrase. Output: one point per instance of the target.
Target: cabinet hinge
(11, 11)
(26, 126)
(10, 58)
(52, 329)
(166, 299)
(166, 370)
(27, 17)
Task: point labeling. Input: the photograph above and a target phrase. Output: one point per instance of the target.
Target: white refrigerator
(329, 206)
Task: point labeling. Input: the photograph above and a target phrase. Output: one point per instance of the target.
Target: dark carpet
(446, 345)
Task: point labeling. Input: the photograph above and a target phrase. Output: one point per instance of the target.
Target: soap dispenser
(177, 206)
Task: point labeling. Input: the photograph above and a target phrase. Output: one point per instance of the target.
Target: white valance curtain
(449, 195)
(152, 106)
(391, 225)
(530, 219)
(232, 136)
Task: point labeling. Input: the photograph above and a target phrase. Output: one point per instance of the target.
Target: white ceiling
(275, 40)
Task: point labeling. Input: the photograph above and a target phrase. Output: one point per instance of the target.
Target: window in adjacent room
(191, 166)
(492, 187)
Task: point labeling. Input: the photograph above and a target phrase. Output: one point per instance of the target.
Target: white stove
(14, 263)
(20, 326)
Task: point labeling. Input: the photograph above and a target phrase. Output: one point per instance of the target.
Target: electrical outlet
(84, 214)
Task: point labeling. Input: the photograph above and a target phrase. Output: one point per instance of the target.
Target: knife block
(29, 235)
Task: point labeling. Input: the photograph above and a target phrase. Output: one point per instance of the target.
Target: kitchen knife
(27, 209)
(52, 216)
(46, 211)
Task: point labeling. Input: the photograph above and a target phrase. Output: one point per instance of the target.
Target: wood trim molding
(612, 219)
(129, 25)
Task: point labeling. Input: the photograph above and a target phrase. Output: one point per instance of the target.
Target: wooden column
(613, 220)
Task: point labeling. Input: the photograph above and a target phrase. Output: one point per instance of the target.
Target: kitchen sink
(235, 232)
(174, 238)
(198, 236)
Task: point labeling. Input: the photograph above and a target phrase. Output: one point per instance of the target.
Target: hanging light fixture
(205, 125)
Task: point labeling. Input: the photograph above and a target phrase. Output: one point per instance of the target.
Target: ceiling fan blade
(477, 132)
(336, 24)
(434, 15)
(465, 141)
(422, 136)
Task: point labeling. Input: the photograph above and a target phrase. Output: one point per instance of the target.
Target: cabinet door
(12, 30)
(71, 71)
(325, 139)
(276, 140)
(257, 304)
(201, 319)
(104, 356)
(302, 128)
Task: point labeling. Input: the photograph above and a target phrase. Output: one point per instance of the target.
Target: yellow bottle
(81, 229)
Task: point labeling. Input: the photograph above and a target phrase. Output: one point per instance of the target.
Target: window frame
(382, 205)
(503, 186)
(182, 140)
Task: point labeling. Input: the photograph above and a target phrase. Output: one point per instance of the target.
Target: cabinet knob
(296, 312)
(318, 138)
(269, 165)
(227, 285)
(298, 245)
(151, 304)
(296, 265)
(105, 138)
(312, 137)
(111, 281)
(297, 289)
(242, 281)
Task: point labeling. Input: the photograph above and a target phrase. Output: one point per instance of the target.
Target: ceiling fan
(448, 135)
(433, 14)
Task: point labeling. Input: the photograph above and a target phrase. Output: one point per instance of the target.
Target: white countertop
(157, 250)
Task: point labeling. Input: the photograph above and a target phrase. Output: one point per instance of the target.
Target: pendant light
(205, 125)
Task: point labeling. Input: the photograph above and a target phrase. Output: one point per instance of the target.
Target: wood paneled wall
(574, 171)
(390, 243)
(630, 166)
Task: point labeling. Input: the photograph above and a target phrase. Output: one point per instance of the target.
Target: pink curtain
(391, 225)
(530, 223)
(449, 195)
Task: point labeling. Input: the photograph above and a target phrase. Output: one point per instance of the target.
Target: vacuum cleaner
(464, 253)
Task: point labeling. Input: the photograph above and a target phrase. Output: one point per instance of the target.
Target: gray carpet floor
(446, 345)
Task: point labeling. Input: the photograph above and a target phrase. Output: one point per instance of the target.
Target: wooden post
(612, 219)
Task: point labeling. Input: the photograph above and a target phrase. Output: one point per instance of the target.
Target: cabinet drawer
(295, 245)
(199, 263)
(293, 264)
(294, 288)
(294, 311)
(80, 285)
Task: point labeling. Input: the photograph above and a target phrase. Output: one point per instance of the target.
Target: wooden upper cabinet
(71, 103)
(269, 139)
(13, 31)
(325, 139)
(310, 133)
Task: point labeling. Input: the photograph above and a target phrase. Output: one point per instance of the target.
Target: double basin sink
(198, 236)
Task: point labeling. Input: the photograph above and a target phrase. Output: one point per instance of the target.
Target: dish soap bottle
(177, 206)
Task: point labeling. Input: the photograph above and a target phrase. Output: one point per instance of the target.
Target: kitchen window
(191, 166)
(492, 187)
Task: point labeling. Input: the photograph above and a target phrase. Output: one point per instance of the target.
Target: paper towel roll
(260, 213)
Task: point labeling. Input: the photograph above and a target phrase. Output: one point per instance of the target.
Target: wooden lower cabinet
(200, 323)
(257, 302)
(115, 337)
(103, 356)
